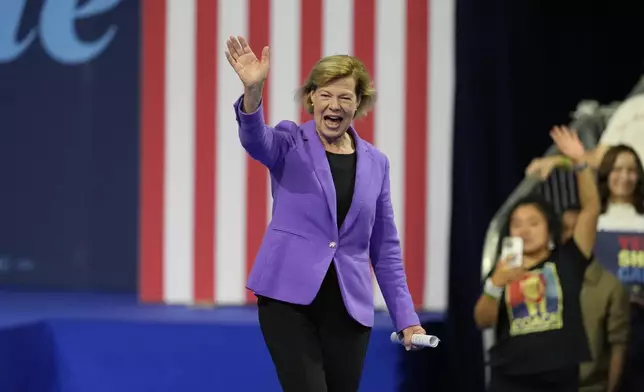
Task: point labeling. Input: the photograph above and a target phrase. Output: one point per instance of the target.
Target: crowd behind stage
(539, 311)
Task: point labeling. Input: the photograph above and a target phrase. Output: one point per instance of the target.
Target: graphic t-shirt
(540, 326)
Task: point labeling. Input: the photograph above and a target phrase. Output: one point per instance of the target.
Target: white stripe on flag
(230, 244)
(390, 110)
(285, 60)
(337, 27)
(441, 88)
(179, 151)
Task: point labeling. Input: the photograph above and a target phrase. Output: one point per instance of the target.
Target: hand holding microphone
(417, 341)
(414, 337)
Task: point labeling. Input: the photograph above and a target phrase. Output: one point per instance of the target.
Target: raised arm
(266, 144)
(545, 165)
(585, 231)
(386, 257)
(612, 135)
(263, 143)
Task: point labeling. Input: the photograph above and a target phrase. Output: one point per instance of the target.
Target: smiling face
(334, 106)
(623, 177)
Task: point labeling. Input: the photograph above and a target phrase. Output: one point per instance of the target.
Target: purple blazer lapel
(320, 166)
(363, 180)
(323, 172)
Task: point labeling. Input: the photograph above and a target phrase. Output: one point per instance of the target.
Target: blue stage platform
(54, 342)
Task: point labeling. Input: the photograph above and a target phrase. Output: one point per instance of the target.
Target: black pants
(561, 380)
(317, 347)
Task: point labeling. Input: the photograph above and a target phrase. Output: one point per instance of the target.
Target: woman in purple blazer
(332, 215)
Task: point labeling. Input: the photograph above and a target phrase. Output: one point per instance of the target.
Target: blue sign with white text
(622, 253)
(69, 71)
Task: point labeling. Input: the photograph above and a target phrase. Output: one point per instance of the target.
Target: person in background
(536, 308)
(620, 178)
(621, 190)
(626, 126)
(605, 308)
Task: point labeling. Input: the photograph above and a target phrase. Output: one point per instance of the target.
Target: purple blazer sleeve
(386, 257)
(263, 143)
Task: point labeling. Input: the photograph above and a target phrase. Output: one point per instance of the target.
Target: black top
(343, 170)
(540, 326)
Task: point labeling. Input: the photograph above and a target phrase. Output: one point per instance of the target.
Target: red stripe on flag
(205, 147)
(364, 31)
(416, 75)
(152, 151)
(256, 185)
(310, 41)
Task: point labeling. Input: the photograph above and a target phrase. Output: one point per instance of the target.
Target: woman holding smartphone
(535, 307)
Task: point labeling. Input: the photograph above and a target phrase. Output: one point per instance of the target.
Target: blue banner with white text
(622, 253)
(69, 130)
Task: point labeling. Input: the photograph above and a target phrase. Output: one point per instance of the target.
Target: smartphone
(512, 250)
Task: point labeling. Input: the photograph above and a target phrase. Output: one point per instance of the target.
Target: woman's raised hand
(542, 167)
(251, 70)
(568, 142)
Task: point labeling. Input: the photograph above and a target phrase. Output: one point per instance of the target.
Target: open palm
(567, 142)
(251, 70)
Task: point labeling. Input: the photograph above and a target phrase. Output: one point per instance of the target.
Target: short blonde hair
(331, 68)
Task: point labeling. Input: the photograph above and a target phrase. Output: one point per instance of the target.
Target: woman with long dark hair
(621, 190)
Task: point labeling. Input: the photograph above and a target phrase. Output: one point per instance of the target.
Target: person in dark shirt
(535, 308)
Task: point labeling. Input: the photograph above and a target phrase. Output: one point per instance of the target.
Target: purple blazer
(302, 238)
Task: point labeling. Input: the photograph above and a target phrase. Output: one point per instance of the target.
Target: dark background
(522, 66)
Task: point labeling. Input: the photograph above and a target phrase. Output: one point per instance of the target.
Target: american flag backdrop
(205, 204)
